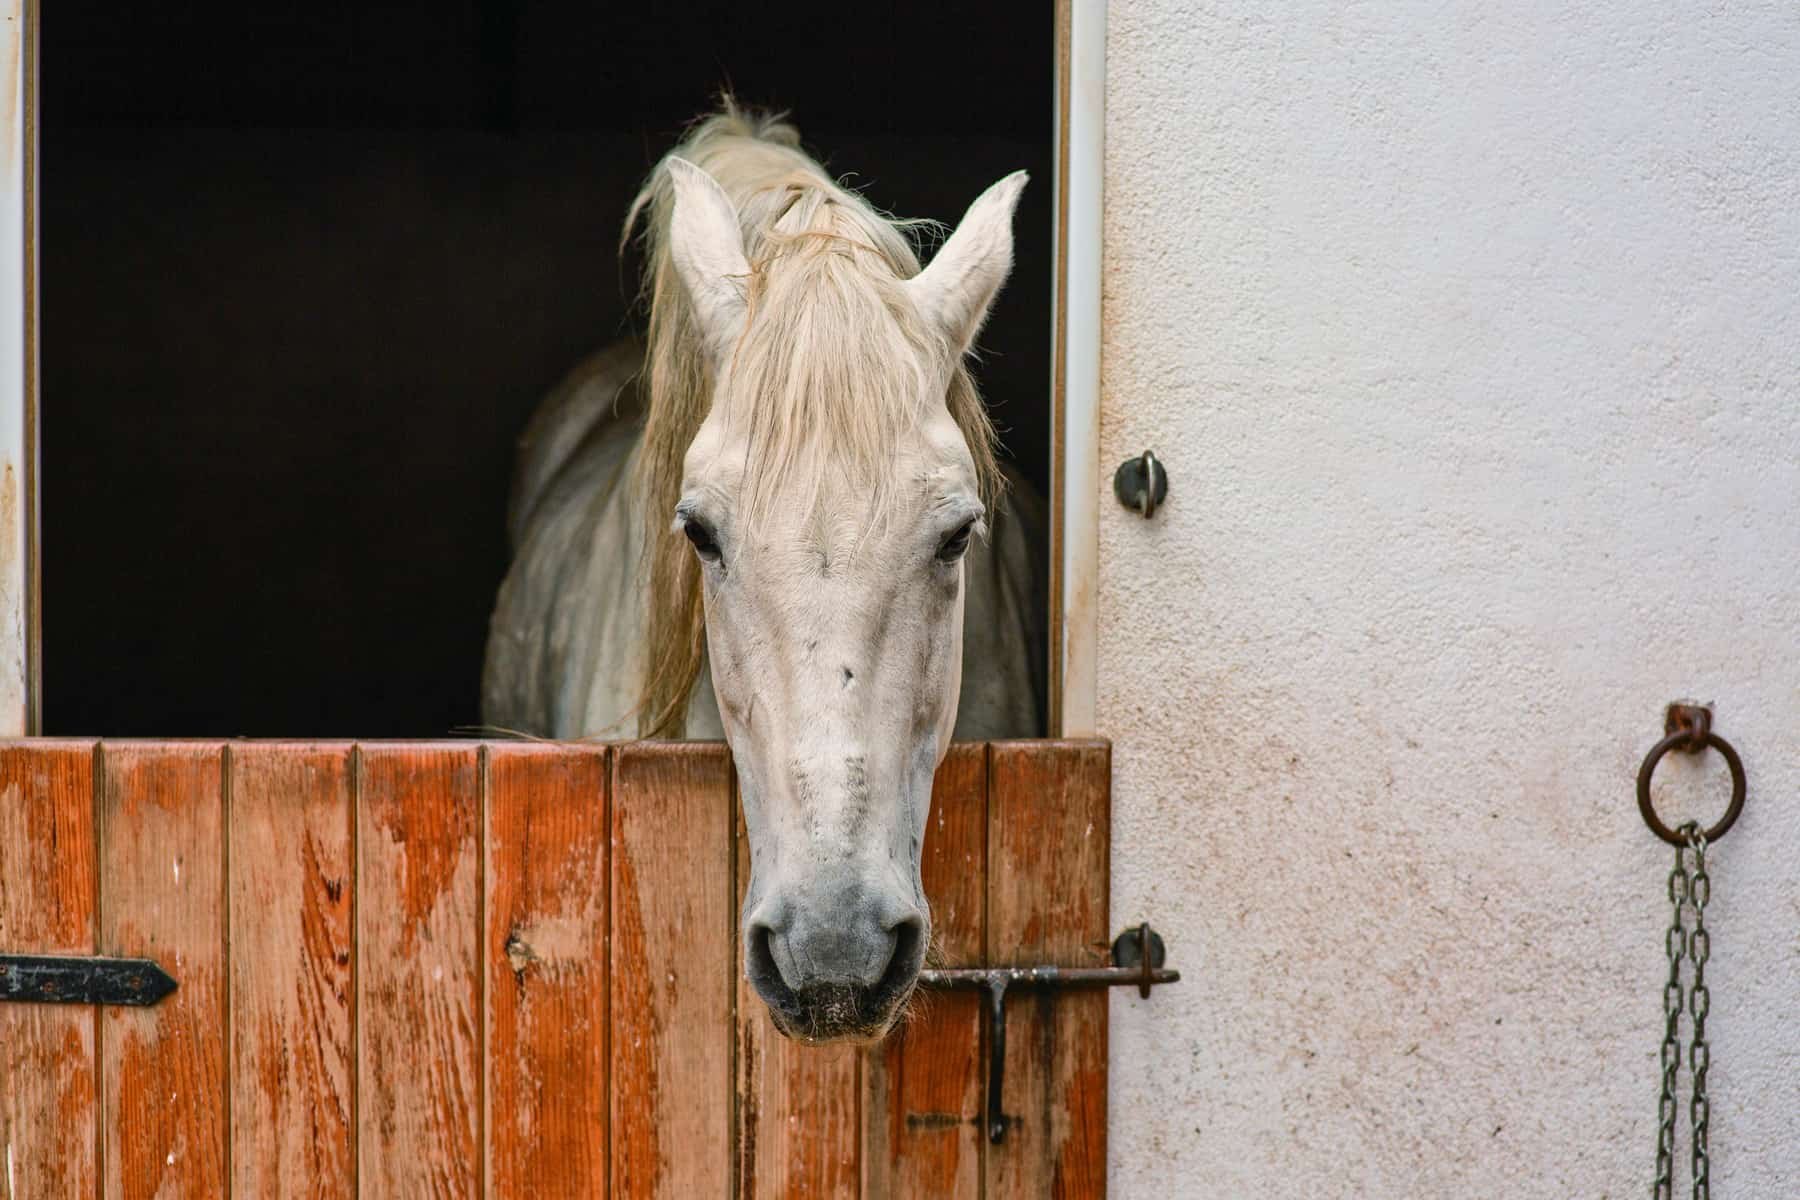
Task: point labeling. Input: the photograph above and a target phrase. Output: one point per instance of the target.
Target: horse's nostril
(759, 960)
(908, 956)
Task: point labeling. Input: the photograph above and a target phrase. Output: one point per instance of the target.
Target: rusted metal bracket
(1137, 956)
(55, 979)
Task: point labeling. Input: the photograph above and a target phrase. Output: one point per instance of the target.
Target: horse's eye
(956, 543)
(705, 545)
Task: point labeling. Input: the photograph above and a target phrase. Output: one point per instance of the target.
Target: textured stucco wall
(1470, 336)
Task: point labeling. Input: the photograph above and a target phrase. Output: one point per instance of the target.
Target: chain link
(1687, 890)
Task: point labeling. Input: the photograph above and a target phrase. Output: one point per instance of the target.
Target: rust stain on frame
(12, 606)
(12, 90)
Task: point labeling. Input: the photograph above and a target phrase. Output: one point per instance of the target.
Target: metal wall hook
(1687, 727)
(1691, 718)
(1128, 950)
(1141, 484)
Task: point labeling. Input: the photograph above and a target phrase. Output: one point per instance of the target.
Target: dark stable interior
(307, 269)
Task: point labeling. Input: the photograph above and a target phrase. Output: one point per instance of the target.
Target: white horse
(780, 522)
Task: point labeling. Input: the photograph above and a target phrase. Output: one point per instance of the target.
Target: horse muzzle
(835, 972)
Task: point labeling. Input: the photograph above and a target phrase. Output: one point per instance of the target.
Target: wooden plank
(418, 968)
(47, 892)
(1049, 821)
(924, 1094)
(547, 970)
(162, 896)
(673, 933)
(292, 866)
(799, 1116)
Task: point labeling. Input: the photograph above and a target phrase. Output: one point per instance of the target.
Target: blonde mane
(829, 370)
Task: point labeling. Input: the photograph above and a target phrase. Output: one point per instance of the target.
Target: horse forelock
(834, 369)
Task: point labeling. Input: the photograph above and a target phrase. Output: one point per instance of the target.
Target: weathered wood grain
(799, 1112)
(399, 979)
(547, 1021)
(922, 1116)
(672, 967)
(292, 868)
(1049, 821)
(47, 892)
(162, 896)
(418, 969)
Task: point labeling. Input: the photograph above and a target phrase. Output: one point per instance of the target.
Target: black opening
(307, 269)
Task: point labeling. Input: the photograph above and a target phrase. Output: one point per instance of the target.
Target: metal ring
(1684, 739)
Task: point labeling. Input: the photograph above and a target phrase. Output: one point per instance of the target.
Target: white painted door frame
(1080, 107)
(18, 368)
(1075, 344)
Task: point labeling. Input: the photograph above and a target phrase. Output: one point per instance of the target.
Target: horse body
(781, 521)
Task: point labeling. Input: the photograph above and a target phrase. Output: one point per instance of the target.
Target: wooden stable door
(511, 970)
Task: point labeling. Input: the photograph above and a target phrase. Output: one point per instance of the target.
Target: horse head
(827, 498)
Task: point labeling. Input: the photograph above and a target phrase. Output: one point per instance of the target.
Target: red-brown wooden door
(509, 969)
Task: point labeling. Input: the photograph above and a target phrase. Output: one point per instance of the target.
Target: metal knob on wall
(1141, 484)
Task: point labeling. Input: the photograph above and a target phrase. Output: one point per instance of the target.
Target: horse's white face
(835, 646)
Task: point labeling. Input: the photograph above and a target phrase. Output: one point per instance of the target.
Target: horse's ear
(956, 290)
(708, 250)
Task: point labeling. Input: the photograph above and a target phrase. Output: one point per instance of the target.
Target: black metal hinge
(1137, 956)
(57, 979)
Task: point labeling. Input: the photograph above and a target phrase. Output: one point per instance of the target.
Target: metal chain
(1699, 1002)
(1686, 890)
(1674, 943)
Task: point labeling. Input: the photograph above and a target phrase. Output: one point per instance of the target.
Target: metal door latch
(1137, 956)
(58, 979)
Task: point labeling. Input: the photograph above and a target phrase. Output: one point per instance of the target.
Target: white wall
(1469, 334)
